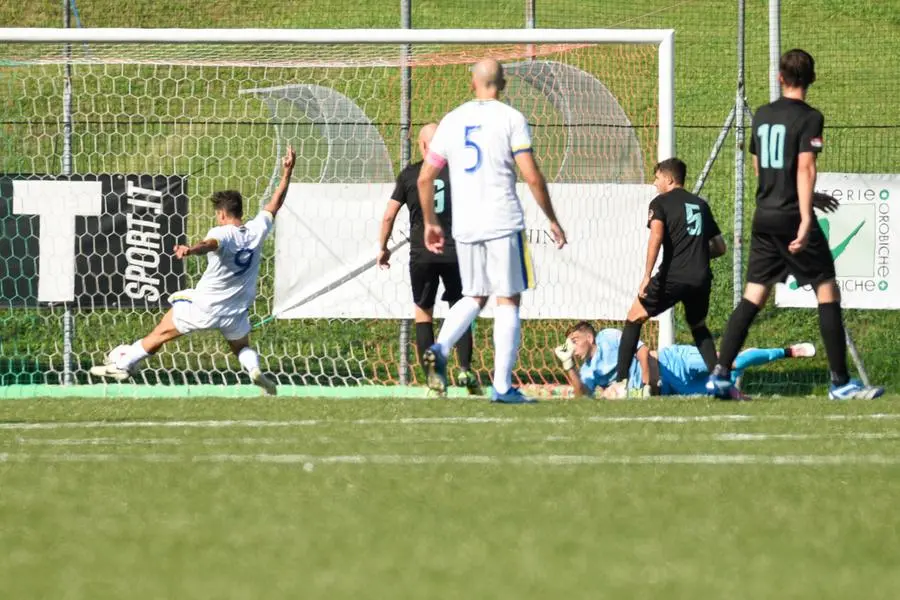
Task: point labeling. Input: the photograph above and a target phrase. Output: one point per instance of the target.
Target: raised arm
(532, 175)
(287, 167)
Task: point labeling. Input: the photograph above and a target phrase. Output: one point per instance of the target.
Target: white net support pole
(666, 147)
(774, 48)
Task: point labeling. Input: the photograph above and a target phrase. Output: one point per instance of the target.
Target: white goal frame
(663, 39)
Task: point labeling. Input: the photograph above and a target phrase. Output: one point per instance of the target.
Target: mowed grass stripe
(606, 438)
(453, 420)
(534, 460)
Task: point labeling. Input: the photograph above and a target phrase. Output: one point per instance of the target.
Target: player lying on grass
(226, 290)
(598, 353)
(679, 370)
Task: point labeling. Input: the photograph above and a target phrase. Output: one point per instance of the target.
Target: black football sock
(705, 344)
(464, 350)
(424, 338)
(631, 335)
(831, 325)
(736, 334)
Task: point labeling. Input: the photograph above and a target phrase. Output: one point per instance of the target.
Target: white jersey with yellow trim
(480, 140)
(228, 286)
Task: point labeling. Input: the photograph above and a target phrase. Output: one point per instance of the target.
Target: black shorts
(663, 295)
(770, 260)
(424, 277)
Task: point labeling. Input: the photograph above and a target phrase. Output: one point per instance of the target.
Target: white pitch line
(452, 420)
(598, 439)
(309, 461)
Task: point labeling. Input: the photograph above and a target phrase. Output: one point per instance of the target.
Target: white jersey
(480, 140)
(228, 286)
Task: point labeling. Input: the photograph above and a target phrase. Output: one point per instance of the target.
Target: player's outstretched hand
(181, 251)
(290, 157)
(384, 259)
(434, 238)
(825, 203)
(565, 353)
(559, 236)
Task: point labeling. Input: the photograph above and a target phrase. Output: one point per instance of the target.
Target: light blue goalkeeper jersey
(600, 369)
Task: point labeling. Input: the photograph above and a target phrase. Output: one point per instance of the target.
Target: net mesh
(217, 117)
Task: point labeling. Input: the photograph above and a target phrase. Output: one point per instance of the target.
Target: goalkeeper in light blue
(677, 370)
(598, 354)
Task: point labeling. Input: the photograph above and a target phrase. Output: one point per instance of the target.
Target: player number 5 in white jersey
(479, 140)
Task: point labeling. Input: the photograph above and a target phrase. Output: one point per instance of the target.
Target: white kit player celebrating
(226, 290)
(483, 141)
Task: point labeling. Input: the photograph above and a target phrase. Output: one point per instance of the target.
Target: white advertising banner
(327, 236)
(861, 235)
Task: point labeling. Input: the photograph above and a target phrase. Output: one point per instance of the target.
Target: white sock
(458, 320)
(135, 354)
(506, 345)
(248, 358)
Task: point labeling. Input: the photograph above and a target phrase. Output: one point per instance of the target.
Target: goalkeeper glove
(565, 354)
(645, 391)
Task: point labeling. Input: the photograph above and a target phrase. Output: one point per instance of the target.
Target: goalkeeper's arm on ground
(566, 355)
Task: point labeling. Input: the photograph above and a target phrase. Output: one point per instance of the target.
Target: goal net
(114, 140)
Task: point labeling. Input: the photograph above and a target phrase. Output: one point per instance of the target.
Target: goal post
(150, 121)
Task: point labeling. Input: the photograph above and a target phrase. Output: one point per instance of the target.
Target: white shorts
(499, 267)
(187, 318)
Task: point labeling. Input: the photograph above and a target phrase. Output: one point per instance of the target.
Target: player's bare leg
(249, 359)
(122, 369)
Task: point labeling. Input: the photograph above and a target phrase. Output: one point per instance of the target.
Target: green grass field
(313, 498)
(458, 499)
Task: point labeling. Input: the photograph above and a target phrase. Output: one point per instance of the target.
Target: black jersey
(689, 226)
(782, 131)
(407, 192)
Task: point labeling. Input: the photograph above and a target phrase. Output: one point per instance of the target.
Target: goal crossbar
(336, 36)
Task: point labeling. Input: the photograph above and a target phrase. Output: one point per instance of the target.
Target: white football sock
(248, 358)
(135, 354)
(458, 320)
(506, 345)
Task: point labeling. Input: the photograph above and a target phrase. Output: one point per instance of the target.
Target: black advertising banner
(91, 240)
